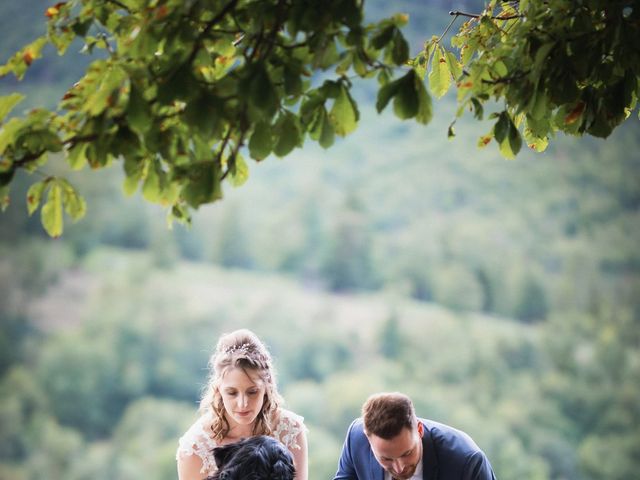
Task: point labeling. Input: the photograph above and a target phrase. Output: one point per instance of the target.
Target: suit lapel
(429, 456)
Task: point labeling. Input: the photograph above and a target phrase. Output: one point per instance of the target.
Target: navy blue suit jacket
(447, 454)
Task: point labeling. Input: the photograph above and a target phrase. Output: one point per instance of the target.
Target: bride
(241, 400)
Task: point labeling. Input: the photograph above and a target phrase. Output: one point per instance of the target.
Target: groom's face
(401, 454)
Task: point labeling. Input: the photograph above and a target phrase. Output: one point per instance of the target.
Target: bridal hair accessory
(244, 348)
(248, 350)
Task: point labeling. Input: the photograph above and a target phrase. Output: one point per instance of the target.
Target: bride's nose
(242, 400)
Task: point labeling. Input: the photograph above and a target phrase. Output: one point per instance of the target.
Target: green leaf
(328, 133)
(386, 93)
(292, 82)
(133, 169)
(505, 150)
(321, 129)
(351, 12)
(440, 76)
(507, 135)
(500, 68)
(8, 102)
(540, 128)
(203, 115)
(406, 102)
(262, 93)
(466, 52)
(478, 109)
(330, 89)
(8, 132)
(425, 109)
(138, 111)
(400, 49)
(455, 67)
(203, 184)
(535, 143)
(345, 63)
(326, 55)
(80, 28)
(317, 120)
(450, 131)
(344, 113)
(44, 139)
(601, 126)
(130, 185)
(514, 139)
(542, 56)
(261, 141)
(240, 171)
(22, 60)
(74, 204)
(400, 19)
(179, 212)
(309, 107)
(77, 156)
(106, 92)
(420, 64)
(151, 189)
(126, 143)
(501, 129)
(34, 195)
(288, 134)
(360, 65)
(51, 213)
(383, 37)
(178, 85)
(484, 140)
(429, 49)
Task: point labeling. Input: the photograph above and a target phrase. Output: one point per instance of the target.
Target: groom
(390, 443)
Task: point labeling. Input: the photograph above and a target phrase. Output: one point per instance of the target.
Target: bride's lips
(243, 414)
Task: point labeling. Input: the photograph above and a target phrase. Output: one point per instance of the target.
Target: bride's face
(242, 394)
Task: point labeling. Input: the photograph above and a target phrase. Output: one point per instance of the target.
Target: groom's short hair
(254, 458)
(386, 414)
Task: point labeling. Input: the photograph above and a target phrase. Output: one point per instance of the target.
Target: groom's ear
(420, 428)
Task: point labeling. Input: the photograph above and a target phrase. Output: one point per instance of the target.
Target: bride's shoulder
(287, 416)
(288, 426)
(197, 441)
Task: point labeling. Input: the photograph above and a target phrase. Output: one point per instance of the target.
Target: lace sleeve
(289, 426)
(196, 441)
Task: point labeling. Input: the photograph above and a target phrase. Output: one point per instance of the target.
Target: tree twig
(448, 26)
(198, 43)
(458, 13)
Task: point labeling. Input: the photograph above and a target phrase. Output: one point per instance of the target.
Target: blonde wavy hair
(240, 349)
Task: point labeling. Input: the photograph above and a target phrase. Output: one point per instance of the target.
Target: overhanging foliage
(185, 88)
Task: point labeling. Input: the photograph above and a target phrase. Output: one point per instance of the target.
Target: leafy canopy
(184, 89)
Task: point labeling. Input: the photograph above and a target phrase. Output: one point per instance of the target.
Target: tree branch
(198, 43)
(511, 79)
(458, 13)
(448, 26)
(121, 5)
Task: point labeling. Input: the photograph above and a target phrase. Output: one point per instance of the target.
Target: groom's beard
(406, 474)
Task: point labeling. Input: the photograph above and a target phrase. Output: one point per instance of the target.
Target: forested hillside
(504, 296)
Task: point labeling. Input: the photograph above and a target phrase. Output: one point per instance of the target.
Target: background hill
(502, 295)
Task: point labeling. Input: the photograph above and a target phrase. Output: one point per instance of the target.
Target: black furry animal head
(254, 458)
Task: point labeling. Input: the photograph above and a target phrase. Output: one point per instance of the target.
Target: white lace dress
(198, 441)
